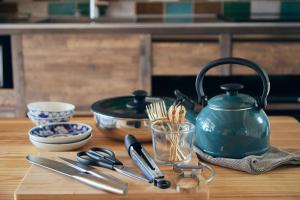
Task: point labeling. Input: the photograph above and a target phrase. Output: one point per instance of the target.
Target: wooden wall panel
(7, 103)
(79, 68)
(275, 57)
(7, 98)
(183, 58)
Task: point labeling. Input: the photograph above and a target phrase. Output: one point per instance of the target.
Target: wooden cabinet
(7, 103)
(186, 58)
(79, 68)
(183, 58)
(277, 58)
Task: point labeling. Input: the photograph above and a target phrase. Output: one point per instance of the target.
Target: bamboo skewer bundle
(169, 120)
(176, 116)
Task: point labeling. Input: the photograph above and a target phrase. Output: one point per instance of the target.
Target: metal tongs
(144, 161)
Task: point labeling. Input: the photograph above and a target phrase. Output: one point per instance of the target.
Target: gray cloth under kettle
(273, 158)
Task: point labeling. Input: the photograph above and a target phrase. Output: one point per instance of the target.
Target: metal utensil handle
(130, 173)
(108, 177)
(147, 171)
(202, 98)
(102, 185)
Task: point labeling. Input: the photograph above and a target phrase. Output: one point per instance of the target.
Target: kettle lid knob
(232, 88)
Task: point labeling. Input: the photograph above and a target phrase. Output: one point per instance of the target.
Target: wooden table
(283, 183)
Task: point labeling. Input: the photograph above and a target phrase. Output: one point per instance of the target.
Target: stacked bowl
(53, 131)
(60, 136)
(50, 112)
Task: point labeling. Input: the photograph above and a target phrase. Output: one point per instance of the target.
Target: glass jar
(172, 145)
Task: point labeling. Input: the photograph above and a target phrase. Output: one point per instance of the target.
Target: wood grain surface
(183, 58)
(7, 98)
(282, 183)
(18, 74)
(97, 65)
(145, 69)
(36, 186)
(102, 65)
(277, 58)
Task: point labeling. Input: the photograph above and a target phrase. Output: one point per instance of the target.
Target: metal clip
(189, 171)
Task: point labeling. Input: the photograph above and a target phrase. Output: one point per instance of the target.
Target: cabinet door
(183, 58)
(277, 58)
(7, 103)
(79, 68)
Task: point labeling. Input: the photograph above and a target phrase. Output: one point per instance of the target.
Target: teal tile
(290, 10)
(179, 8)
(237, 10)
(84, 9)
(62, 9)
(102, 10)
(179, 12)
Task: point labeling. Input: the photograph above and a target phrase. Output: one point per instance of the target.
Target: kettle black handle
(202, 98)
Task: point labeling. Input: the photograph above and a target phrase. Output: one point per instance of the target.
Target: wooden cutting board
(43, 184)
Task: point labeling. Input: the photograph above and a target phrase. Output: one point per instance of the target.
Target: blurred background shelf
(60, 54)
(78, 11)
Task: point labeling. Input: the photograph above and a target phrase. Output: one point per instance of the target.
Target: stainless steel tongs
(144, 161)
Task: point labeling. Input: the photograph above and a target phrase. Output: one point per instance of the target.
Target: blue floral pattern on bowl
(60, 132)
(47, 114)
(54, 130)
(44, 121)
(50, 109)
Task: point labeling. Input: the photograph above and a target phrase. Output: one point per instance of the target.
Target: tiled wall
(184, 11)
(235, 10)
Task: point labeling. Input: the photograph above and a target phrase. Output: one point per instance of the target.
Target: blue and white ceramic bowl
(50, 109)
(60, 133)
(44, 121)
(61, 147)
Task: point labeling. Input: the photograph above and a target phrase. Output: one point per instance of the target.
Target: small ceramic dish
(61, 147)
(44, 121)
(60, 132)
(48, 109)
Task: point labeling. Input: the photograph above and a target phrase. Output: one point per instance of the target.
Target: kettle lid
(232, 100)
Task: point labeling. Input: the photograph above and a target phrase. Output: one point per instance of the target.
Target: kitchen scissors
(102, 157)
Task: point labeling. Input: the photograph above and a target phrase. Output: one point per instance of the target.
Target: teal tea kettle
(232, 125)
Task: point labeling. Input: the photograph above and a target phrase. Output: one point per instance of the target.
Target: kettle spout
(186, 101)
(193, 108)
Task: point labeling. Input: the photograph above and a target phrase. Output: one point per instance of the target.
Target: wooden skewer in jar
(169, 121)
